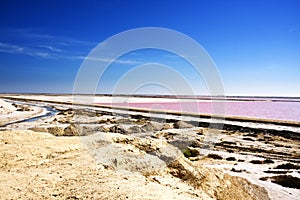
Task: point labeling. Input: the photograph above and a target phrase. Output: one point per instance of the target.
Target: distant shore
(80, 101)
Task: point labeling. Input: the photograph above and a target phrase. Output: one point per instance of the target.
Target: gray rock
(167, 126)
(88, 130)
(182, 124)
(135, 129)
(117, 129)
(123, 121)
(153, 126)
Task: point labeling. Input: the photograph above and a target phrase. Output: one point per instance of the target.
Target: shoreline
(187, 114)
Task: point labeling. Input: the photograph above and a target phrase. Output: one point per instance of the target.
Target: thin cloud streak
(35, 34)
(51, 53)
(51, 48)
(108, 60)
(15, 49)
(42, 45)
(65, 41)
(57, 47)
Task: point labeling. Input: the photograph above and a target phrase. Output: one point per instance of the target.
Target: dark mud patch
(248, 139)
(287, 166)
(284, 180)
(215, 156)
(231, 159)
(275, 172)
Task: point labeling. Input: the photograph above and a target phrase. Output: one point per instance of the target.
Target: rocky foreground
(40, 165)
(78, 154)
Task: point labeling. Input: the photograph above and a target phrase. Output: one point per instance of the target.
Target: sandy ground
(115, 160)
(41, 166)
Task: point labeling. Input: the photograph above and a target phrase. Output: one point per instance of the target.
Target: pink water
(289, 111)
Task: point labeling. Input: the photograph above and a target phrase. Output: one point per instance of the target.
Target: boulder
(167, 126)
(72, 130)
(153, 126)
(182, 124)
(117, 129)
(135, 129)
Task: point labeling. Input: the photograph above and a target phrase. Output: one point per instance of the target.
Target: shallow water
(49, 112)
(289, 111)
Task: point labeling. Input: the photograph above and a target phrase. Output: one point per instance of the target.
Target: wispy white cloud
(10, 48)
(32, 42)
(16, 49)
(59, 40)
(109, 60)
(47, 51)
(50, 52)
(39, 34)
(51, 48)
(41, 54)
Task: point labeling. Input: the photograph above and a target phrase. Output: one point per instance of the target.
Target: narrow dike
(49, 112)
(195, 119)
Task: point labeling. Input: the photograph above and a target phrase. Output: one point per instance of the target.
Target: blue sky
(255, 44)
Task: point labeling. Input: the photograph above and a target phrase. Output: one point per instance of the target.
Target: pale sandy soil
(41, 166)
